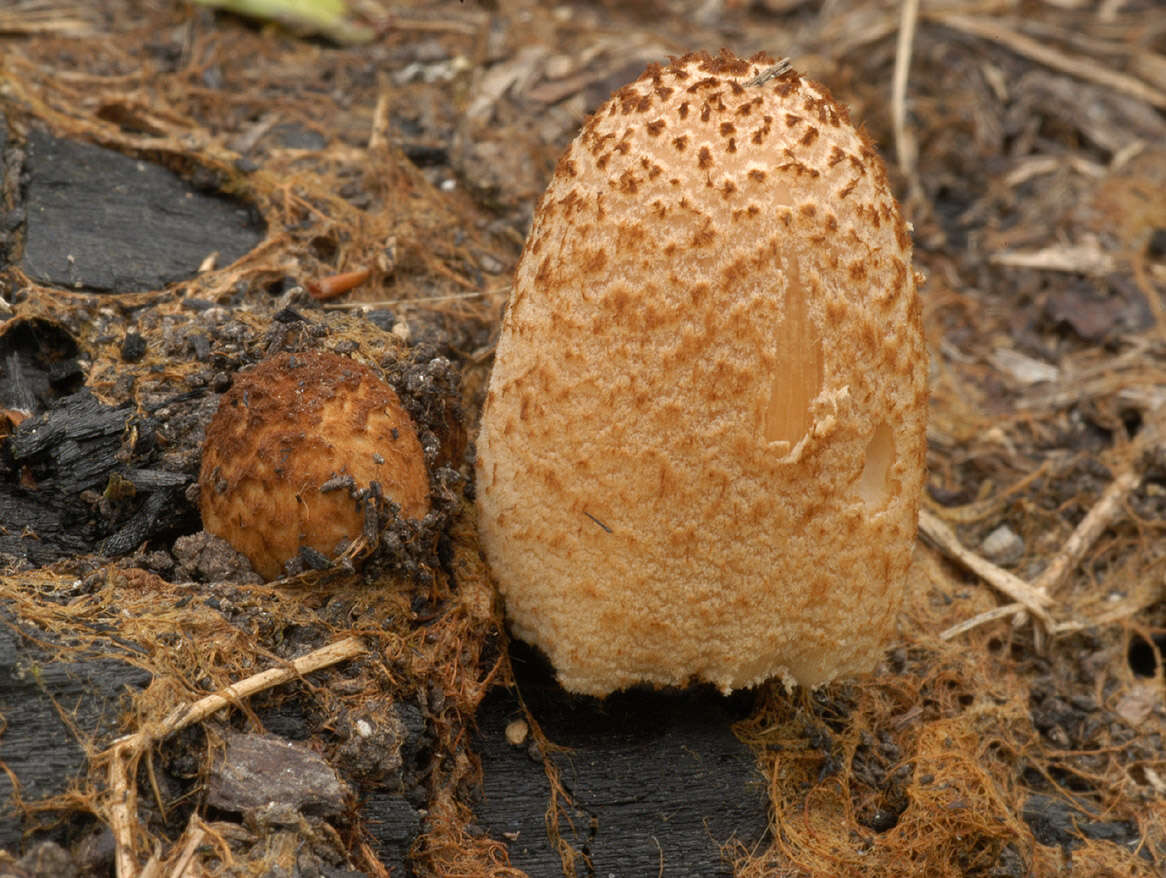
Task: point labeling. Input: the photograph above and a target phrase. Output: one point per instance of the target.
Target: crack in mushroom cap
(702, 447)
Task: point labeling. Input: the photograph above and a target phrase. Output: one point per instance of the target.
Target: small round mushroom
(290, 444)
(702, 448)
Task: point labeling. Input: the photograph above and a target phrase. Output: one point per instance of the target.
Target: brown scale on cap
(703, 443)
(290, 442)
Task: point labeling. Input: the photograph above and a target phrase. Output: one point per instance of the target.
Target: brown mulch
(1026, 143)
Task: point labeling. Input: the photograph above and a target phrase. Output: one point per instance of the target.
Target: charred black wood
(78, 478)
(38, 363)
(37, 746)
(103, 221)
(653, 777)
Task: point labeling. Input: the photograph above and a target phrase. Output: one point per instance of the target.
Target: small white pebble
(1003, 545)
(558, 66)
(489, 264)
(363, 728)
(516, 732)
(401, 330)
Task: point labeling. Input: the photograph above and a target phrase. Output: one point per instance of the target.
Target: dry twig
(1107, 509)
(124, 753)
(1033, 600)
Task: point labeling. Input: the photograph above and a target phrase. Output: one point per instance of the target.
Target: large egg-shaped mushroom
(702, 448)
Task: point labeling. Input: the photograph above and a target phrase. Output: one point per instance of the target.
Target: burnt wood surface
(657, 780)
(40, 749)
(77, 479)
(102, 221)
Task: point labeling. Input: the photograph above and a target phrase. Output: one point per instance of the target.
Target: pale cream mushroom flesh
(702, 448)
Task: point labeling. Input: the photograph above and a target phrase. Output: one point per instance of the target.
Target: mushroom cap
(286, 428)
(702, 446)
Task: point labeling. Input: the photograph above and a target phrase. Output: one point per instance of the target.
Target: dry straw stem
(1086, 257)
(123, 754)
(196, 833)
(906, 148)
(419, 303)
(1004, 611)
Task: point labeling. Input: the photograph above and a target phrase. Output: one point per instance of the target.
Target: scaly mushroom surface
(702, 448)
(292, 441)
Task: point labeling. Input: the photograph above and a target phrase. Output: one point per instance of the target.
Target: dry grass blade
(906, 151)
(1001, 612)
(29, 17)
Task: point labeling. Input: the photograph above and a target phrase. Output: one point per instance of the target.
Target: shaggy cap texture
(292, 441)
(703, 442)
